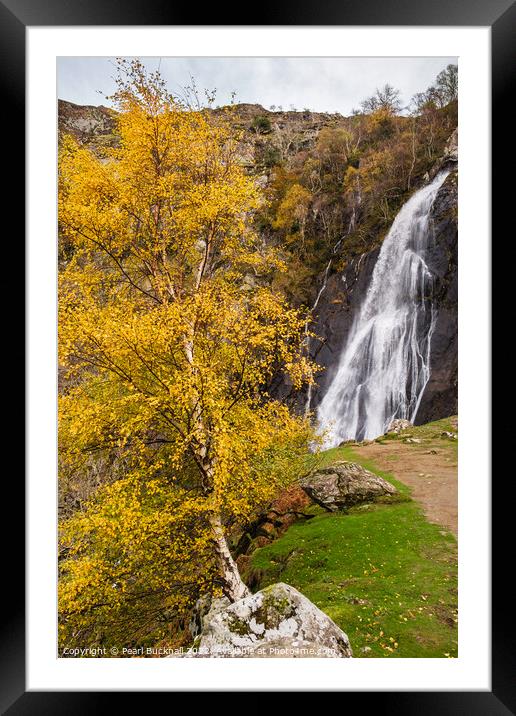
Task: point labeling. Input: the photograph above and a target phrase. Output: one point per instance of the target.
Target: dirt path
(430, 471)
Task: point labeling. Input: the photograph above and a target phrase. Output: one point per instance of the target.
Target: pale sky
(334, 84)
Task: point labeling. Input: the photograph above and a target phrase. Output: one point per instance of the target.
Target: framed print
(258, 354)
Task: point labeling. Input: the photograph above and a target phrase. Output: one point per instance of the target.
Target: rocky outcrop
(398, 425)
(86, 123)
(450, 154)
(345, 484)
(96, 127)
(277, 622)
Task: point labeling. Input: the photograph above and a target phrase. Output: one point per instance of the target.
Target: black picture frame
(15, 17)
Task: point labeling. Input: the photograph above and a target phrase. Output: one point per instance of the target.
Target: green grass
(383, 573)
(429, 435)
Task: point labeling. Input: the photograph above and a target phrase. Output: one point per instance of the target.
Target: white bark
(234, 588)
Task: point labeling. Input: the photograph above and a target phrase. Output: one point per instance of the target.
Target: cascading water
(385, 363)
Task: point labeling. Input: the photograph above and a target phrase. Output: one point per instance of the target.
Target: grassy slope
(383, 573)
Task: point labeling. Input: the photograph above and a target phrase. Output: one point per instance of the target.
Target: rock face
(440, 396)
(85, 122)
(345, 484)
(450, 154)
(277, 622)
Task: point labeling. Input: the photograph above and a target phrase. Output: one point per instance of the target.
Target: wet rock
(439, 399)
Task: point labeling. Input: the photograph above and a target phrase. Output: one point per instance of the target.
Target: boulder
(396, 426)
(345, 484)
(276, 622)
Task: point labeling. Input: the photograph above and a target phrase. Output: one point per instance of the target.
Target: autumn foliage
(335, 197)
(165, 352)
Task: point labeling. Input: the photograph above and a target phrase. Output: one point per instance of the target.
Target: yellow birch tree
(166, 353)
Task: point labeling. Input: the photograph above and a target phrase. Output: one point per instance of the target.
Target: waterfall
(385, 364)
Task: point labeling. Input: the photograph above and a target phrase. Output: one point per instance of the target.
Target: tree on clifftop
(166, 352)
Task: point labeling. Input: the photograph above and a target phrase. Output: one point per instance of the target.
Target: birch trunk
(234, 588)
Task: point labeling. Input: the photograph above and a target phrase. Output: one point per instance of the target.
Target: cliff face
(96, 125)
(440, 396)
(87, 124)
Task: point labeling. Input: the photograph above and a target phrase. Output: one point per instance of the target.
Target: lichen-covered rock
(203, 607)
(396, 426)
(277, 622)
(345, 484)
